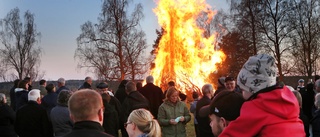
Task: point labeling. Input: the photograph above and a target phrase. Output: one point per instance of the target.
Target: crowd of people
(253, 104)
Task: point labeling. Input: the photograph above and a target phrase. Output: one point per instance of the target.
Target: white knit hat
(257, 73)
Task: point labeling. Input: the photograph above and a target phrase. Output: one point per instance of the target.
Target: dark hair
(27, 79)
(50, 87)
(23, 84)
(229, 78)
(42, 81)
(171, 83)
(139, 85)
(63, 97)
(123, 83)
(16, 83)
(195, 95)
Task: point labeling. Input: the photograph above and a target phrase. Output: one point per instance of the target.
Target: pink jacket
(270, 114)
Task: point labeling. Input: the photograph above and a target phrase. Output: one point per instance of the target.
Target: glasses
(126, 124)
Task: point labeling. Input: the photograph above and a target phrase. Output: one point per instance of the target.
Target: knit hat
(301, 81)
(102, 85)
(221, 81)
(226, 104)
(257, 73)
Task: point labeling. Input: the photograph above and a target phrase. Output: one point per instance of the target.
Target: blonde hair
(145, 122)
(170, 91)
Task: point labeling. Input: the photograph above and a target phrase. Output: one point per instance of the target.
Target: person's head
(86, 105)
(141, 121)
(123, 83)
(34, 95)
(28, 79)
(172, 95)
(50, 88)
(300, 82)
(63, 97)
(221, 81)
(16, 83)
(23, 84)
(195, 95)
(102, 87)
(259, 72)
(61, 82)
(139, 85)
(316, 77)
(3, 99)
(298, 96)
(317, 86)
(171, 84)
(130, 87)
(230, 83)
(149, 79)
(317, 101)
(207, 90)
(224, 108)
(43, 82)
(88, 80)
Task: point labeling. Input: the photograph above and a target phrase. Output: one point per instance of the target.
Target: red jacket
(271, 114)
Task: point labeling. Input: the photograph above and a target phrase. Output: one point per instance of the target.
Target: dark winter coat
(32, 121)
(133, 101)
(87, 129)
(49, 101)
(13, 98)
(305, 121)
(61, 122)
(203, 122)
(154, 95)
(315, 122)
(60, 89)
(21, 97)
(85, 85)
(167, 111)
(121, 94)
(110, 119)
(7, 118)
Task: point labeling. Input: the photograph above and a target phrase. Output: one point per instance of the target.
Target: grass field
(190, 128)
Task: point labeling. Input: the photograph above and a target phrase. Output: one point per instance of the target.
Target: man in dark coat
(7, 118)
(50, 100)
(86, 110)
(133, 101)
(204, 122)
(31, 119)
(87, 83)
(154, 95)
(13, 94)
(61, 85)
(121, 92)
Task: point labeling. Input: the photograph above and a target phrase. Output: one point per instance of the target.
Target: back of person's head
(317, 101)
(257, 73)
(34, 95)
(50, 87)
(131, 86)
(139, 85)
(88, 79)
(171, 83)
(170, 91)
(123, 83)
(298, 96)
(207, 88)
(149, 79)
(42, 82)
(195, 95)
(102, 85)
(221, 81)
(63, 97)
(2, 99)
(85, 105)
(23, 84)
(61, 81)
(28, 79)
(145, 122)
(16, 83)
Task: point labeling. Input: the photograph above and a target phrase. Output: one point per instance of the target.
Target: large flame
(184, 55)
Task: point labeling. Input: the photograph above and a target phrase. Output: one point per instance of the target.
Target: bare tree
(113, 47)
(19, 39)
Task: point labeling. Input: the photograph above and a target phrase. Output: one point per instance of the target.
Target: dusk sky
(59, 22)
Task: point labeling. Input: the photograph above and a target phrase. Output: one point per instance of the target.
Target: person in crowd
(21, 94)
(300, 85)
(182, 96)
(121, 91)
(133, 101)
(139, 86)
(315, 122)
(31, 119)
(13, 94)
(230, 83)
(221, 86)
(7, 118)
(141, 123)
(60, 115)
(193, 106)
(110, 116)
(308, 99)
(87, 83)
(86, 111)
(224, 108)
(173, 115)
(204, 122)
(114, 102)
(102, 87)
(50, 100)
(154, 95)
(29, 81)
(42, 87)
(270, 109)
(61, 85)
(302, 116)
(317, 86)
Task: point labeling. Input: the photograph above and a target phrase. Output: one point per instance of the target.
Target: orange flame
(184, 55)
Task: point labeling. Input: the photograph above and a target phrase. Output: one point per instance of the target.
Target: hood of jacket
(280, 102)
